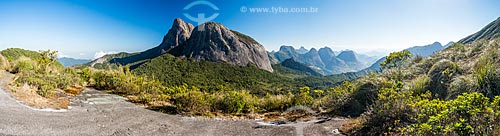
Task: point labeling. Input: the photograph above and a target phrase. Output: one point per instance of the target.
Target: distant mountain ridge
(422, 51)
(324, 60)
(68, 62)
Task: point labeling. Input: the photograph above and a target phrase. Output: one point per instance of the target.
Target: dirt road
(96, 113)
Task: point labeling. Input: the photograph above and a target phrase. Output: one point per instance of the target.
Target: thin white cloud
(102, 53)
(62, 55)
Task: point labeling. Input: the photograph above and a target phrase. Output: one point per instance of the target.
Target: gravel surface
(96, 113)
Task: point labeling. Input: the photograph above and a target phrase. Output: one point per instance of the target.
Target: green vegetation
(487, 75)
(338, 97)
(291, 67)
(186, 86)
(468, 114)
(441, 75)
(243, 37)
(211, 76)
(41, 70)
(396, 59)
(4, 63)
(13, 54)
(191, 99)
(454, 92)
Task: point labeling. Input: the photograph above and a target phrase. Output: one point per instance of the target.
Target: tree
(47, 59)
(396, 59)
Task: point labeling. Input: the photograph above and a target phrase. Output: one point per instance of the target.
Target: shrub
(105, 80)
(193, 101)
(487, 77)
(235, 102)
(145, 98)
(122, 81)
(46, 90)
(47, 83)
(440, 75)
(4, 63)
(280, 102)
(303, 98)
(389, 112)
(468, 114)
(423, 110)
(48, 62)
(420, 85)
(460, 85)
(364, 94)
(339, 96)
(24, 65)
(457, 46)
(42, 71)
(417, 59)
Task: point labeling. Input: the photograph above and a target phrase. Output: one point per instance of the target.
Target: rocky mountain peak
(302, 50)
(285, 48)
(313, 50)
(436, 44)
(217, 43)
(348, 55)
(326, 54)
(178, 34)
(326, 51)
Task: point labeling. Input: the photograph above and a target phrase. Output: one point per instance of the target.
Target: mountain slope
(292, 64)
(347, 56)
(330, 60)
(427, 50)
(177, 35)
(312, 58)
(462, 77)
(422, 51)
(430, 93)
(351, 60)
(488, 32)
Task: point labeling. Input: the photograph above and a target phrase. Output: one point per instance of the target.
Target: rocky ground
(97, 113)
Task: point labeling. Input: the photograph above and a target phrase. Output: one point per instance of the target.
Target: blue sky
(80, 28)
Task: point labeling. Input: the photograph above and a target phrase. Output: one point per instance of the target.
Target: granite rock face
(216, 43)
(177, 35)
